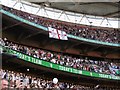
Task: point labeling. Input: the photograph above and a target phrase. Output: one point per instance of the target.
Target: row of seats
(78, 62)
(99, 34)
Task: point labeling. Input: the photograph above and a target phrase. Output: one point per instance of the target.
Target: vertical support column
(0, 47)
(119, 15)
(118, 35)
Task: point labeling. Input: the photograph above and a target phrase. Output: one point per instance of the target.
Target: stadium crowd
(23, 80)
(12, 80)
(81, 63)
(111, 36)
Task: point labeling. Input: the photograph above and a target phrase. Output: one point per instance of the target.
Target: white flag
(52, 33)
(58, 34)
(62, 35)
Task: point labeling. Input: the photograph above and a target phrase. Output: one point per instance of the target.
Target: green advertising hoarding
(59, 67)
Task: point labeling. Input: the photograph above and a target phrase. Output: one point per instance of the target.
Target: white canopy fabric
(106, 8)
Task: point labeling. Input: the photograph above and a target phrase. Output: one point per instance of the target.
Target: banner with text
(59, 67)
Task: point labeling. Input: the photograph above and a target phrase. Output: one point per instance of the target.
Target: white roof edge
(72, 0)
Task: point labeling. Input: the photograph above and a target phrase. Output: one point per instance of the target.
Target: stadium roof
(106, 8)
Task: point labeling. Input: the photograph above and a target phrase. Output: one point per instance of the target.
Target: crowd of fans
(81, 63)
(25, 81)
(12, 80)
(111, 36)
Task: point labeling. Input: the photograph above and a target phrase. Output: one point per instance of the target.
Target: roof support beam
(20, 37)
(19, 1)
(11, 26)
(111, 14)
(93, 48)
(32, 34)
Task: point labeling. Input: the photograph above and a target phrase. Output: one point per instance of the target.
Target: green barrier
(46, 29)
(58, 67)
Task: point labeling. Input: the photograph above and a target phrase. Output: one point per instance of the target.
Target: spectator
(4, 83)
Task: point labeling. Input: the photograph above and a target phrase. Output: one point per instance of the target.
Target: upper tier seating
(111, 36)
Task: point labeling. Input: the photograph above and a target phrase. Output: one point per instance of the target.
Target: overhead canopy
(105, 8)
